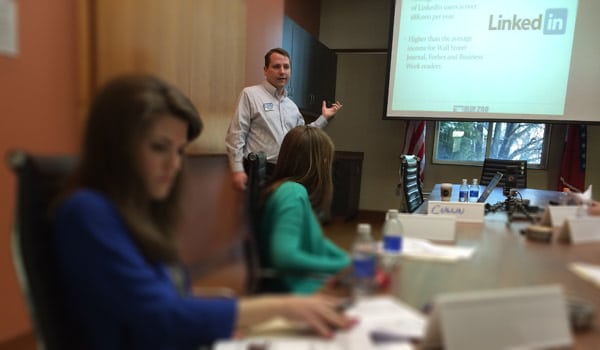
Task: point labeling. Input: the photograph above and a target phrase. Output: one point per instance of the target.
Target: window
(467, 142)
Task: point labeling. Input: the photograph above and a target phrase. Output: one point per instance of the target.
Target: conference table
(503, 258)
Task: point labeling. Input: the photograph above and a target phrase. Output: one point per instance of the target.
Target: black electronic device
(510, 179)
(490, 187)
(513, 201)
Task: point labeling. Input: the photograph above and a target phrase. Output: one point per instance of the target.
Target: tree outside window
(470, 142)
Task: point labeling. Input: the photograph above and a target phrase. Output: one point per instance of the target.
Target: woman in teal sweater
(290, 236)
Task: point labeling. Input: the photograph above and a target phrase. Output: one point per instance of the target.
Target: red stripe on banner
(414, 142)
(572, 165)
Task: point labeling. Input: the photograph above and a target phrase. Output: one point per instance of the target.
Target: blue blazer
(120, 299)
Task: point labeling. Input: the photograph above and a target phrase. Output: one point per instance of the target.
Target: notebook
(490, 187)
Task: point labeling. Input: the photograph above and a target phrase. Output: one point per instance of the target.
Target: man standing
(264, 115)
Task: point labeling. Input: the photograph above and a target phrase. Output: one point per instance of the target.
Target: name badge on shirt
(267, 107)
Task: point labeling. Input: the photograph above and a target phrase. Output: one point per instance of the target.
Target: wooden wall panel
(217, 71)
(197, 45)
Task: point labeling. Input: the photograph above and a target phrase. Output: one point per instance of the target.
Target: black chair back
(257, 180)
(410, 182)
(518, 168)
(39, 179)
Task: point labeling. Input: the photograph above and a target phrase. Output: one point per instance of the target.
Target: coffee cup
(446, 191)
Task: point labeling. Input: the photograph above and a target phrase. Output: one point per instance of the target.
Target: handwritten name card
(464, 212)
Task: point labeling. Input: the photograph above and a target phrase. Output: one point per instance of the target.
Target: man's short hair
(278, 50)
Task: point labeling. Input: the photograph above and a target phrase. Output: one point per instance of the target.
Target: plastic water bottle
(474, 190)
(364, 260)
(463, 191)
(564, 197)
(392, 237)
(582, 210)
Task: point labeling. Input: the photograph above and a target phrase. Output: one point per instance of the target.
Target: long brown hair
(120, 115)
(305, 157)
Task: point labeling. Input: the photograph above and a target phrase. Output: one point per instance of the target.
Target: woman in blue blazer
(115, 236)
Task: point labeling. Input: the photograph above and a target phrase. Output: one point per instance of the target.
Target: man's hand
(239, 180)
(328, 113)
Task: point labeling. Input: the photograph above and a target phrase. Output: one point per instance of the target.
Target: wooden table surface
(504, 258)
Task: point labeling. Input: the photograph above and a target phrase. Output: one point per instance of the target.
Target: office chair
(259, 279)
(410, 182)
(491, 166)
(39, 179)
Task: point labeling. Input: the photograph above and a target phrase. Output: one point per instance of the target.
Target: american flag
(572, 165)
(414, 142)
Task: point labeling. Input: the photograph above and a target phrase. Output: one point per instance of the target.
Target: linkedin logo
(555, 21)
(552, 23)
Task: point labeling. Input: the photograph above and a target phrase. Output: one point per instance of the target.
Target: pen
(344, 304)
(254, 345)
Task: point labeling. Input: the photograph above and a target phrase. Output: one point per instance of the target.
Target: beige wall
(359, 127)
(355, 24)
(362, 25)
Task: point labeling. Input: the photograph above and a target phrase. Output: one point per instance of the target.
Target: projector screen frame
(591, 117)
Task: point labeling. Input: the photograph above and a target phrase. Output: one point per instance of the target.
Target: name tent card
(555, 215)
(464, 212)
(514, 318)
(581, 229)
(430, 227)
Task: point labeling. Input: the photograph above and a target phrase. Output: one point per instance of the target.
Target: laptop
(490, 187)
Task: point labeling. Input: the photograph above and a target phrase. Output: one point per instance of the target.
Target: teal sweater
(291, 240)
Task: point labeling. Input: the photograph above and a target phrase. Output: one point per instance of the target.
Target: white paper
(423, 249)
(387, 315)
(582, 198)
(304, 344)
(8, 27)
(376, 314)
(588, 272)
(290, 343)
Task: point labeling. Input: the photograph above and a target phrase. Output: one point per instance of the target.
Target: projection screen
(536, 60)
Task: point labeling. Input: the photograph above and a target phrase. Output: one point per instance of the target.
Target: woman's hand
(319, 312)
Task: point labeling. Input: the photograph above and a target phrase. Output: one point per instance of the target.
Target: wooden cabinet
(314, 68)
(347, 170)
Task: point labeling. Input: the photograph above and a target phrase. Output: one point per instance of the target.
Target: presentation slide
(472, 59)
